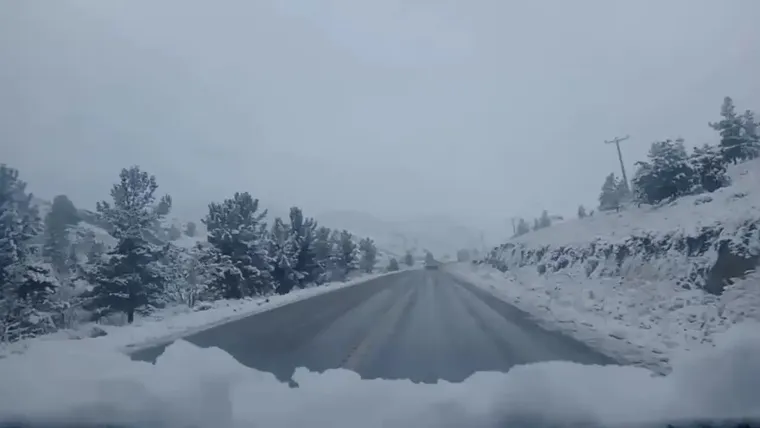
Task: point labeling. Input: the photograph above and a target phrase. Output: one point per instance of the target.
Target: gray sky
(478, 109)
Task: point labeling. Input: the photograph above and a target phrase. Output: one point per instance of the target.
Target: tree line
(53, 273)
(670, 171)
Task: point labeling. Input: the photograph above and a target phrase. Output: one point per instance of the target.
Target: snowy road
(419, 325)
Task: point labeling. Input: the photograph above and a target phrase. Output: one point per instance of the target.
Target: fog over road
(422, 325)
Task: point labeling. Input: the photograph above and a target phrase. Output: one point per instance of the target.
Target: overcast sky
(478, 109)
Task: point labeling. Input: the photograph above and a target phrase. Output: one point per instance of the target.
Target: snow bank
(191, 386)
(179, 321)
(645, 282)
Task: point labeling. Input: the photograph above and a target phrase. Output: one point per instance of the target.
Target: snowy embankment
(645, 282)
(176, 321)
(189, 386)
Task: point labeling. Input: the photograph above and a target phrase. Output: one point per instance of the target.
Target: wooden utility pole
(617, 141)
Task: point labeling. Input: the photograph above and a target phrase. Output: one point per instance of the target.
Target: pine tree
(62, 216)
(237, 230)
(368, 255)
(345, 254)
(710, 167)
(522, 227)
(668, 174)
(582, 211)
(731, 128)
(191, 229)
(409, 259)
(128, 277)
(393, 265)
(536, 224)
(283, 251)
(750, 135)
(545, 220)
(26, 288)
(610, 197)
(303, 232)
(322, 251)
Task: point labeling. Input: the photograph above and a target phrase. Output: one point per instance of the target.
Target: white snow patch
(178, 321)
(57, 382)
(635, 321)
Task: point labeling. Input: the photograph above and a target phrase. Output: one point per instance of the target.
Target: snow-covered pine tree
(668, 174)
(58, 222)
(707, 161)
(609, 198)
(283, 252)
(129, 276)
(731, 129)
(409, 259)
(322, 251)
(236, 228)
(750, 135)
(26, 286)
(349, 252)
(368, 255)
(302, 231)
(344, 254)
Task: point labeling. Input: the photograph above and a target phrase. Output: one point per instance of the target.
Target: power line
(617, 141)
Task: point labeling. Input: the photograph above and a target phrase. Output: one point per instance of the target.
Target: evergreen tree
(345, 254)
(545, 220)
(668, 174)
(236, 229)
(322, 251)
(582, 211)
(750, 135)
(536, 224)
(610, 197)
(368, 256)
(283, 251)
(731, 129)
(129, 277)
(62, 216)
(173, 233)
(302, 231)
(393, 265)
(191, 229)
(26, 288)
(409, 259)
(522, 227)
(710, 167)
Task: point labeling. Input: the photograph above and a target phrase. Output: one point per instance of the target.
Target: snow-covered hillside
(438, 234)
(645, 279)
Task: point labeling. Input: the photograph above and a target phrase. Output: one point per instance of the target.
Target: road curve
(421, 325)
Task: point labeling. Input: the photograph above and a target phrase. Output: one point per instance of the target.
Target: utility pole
(617, 141)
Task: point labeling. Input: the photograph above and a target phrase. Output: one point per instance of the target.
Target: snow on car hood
(65, 382)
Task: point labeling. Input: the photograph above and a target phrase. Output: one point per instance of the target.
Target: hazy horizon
(477, 111)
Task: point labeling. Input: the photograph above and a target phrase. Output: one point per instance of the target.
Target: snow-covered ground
(176, 321)
(729, 207)
(188, 386)
(641, 300)
(638, 322)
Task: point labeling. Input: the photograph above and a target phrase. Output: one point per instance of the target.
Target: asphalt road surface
(422, 325)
